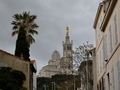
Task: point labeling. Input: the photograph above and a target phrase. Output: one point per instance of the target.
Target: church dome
(55, 55)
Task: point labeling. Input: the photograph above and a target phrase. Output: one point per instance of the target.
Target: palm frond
(34, 25)
(31, 31)
(30, 39)
(15, 27)
(27, 21)
(14, 23)
(15, 32)
(17, 17)
(32, 18)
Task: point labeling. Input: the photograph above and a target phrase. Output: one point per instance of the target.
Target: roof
(105, 0)
(50, 68)
(32, 61)
(97, 14)
(13, 55)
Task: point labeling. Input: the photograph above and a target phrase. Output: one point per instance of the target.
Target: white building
(57, 64)
(107, 32)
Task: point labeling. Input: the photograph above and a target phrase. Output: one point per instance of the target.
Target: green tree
(24, 26)
(27, 21)
(22, 46)
(11, 79)
(61, 82)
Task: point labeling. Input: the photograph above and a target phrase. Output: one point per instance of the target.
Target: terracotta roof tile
(32, 61)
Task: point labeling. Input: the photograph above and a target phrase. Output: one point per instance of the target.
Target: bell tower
(67, 53)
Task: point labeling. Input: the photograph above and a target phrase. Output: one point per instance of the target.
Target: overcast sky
(52, 17)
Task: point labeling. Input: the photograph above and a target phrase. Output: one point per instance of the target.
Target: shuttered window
(116, 29)
(118, 69)
(113, 81)
(110, 33)
(105, 53)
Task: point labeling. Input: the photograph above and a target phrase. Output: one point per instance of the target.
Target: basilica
(58, 64)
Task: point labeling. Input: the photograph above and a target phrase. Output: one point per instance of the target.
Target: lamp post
(47, 87)
(52, 85)
(44, 87)
(66, 85)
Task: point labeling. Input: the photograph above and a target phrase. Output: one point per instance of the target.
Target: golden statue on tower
(67, 30)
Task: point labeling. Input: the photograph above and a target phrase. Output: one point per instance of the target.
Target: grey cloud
(52, 16)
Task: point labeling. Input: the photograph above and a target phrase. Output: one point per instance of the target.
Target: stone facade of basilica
(58, 64)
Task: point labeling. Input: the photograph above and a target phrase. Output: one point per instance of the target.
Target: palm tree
(27, 22)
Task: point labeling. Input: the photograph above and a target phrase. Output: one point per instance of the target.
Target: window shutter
(105, 47)
(118, 68)
(113, 81)
(116, 29)
(110, 38)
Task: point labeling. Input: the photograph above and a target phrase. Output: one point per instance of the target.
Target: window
(100, 64)
(118, 68)
(69, 48)
(113, 81)
(116, 28)
(98, 30)
(64, 48)
(103, 84)
(108, 77)
(110, 33)
(105, 53)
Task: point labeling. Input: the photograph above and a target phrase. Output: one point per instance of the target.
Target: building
(9, 60)
(18, 63)
(107, 32)
(53, 66)
(66, 63)
(57, 64)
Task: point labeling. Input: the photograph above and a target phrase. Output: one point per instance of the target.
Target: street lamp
(47, 87)
(52, 85)
(66, 85)
(44, 87)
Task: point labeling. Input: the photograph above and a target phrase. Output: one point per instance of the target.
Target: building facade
(57, 64)
(9, 60)
(107, 34)
(66, 63)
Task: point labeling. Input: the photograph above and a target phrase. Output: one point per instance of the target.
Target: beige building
(57, 64)
(107, 32)
(9, 60)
